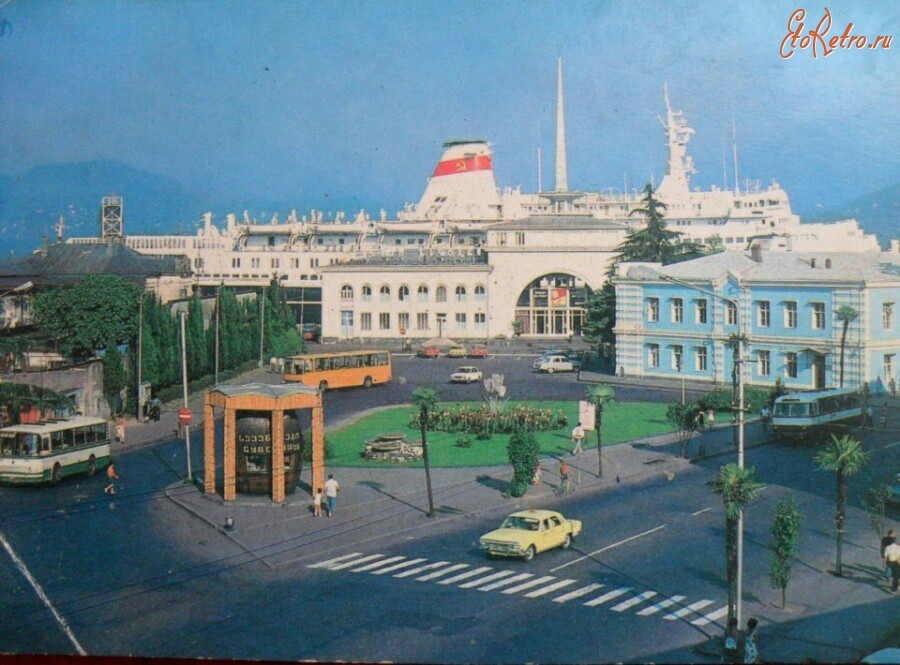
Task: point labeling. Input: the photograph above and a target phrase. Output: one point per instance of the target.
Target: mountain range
(31, 203)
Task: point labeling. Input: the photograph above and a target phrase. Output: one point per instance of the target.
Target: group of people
(741, 646)
(326, 496)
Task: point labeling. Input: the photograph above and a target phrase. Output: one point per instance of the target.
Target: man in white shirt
(331, 489)
(577, 439)
(892, 562)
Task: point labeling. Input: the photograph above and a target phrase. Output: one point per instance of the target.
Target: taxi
(525, 533)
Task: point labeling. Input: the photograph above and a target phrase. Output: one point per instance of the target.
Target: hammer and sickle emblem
(461, 165)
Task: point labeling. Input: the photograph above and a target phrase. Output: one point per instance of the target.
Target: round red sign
(184, 416)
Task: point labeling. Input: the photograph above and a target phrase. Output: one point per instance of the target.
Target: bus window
(90, 434)
(68, 438)
(56, 441)
(99, 431)
(7, 443)
(45, 445)
(791, 410)
(26, 444)
(381, 359)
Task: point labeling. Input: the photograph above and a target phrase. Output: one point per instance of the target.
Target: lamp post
(184, 383)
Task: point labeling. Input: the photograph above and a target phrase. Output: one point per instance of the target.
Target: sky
(319, 102)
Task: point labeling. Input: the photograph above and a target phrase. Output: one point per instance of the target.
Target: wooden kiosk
(274, 400)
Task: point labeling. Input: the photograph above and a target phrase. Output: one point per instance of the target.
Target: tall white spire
(562, 179)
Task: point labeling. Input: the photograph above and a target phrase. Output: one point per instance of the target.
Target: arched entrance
(552, 306)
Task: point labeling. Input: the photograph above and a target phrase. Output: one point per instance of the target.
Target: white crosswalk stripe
(712, 616)
(606, 597)
(420, 569)
(398, 566)
(442, 572)
(631, 602)
(509, 580)
(578, 593)
(693, 607)
(377, 564)
(489, 578)
(466, 575)
(653, 609)
(550, 588)
(341, 566)
(528, 585)
(326, 564)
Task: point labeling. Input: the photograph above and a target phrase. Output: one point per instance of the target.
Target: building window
(790, 314)
(887, 315)
(677, 310)
(677, 353)
(366, 293)
(403, 293)
(653, 355)
(347, 321)
(385, 292)
(790, 365)
(701, 311)
(423, 293)
(731, 314)
(480, 321)
(276, 263)
(460, 293)
(888, 366)
(365, 321)
(460, 320)
(501, 239)
(441, 294)
(818, 316)
(346, 292)
(422, 321)
(403, 321)
(235, 263)
(763, 314)
(700, 359)
(763, 363)
(295, 263)
(520, 238)
(254, 263)
(480, 292)
(653, 309)
(384, 321)
(314, 263)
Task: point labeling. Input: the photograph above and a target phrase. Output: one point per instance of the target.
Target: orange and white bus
(339, 370)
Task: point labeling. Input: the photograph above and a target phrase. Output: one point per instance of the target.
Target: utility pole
(217, 335)
(140, 354)
(262, 325)
(423, 424)
(184, 383)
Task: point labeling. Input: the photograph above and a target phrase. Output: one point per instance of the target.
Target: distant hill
(878, 212)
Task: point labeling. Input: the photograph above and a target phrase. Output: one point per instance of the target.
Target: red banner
(464, 165)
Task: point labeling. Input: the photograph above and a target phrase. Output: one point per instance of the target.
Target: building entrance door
(818, 369)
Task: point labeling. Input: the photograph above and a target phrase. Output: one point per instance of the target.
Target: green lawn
(621, 422)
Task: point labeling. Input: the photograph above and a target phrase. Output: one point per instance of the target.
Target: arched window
(480, 292)
(385, 292)
(827, 263)
(346, 292)
(366, 293)
(403, 293)
(441, 294)
(423, 293)
(461, 293)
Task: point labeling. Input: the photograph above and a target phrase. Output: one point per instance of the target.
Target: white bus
(813, 416)
(51, 449)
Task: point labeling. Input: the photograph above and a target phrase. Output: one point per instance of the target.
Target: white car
(466, 375)
(556, 364)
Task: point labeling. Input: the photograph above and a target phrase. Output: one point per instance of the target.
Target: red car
(478, 352)
(429, 352)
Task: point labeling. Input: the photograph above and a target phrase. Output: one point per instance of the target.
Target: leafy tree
(85, 316)
(425, 399)
(683, 418)
(600, 396)
(845, 457)
(114, 377)
(18, 397)
(876, 503)
(14, 352)
(736, 486)
(777, 391)
(846, 315)
(714, 244)
(523, 455)
(195, 338)
(783, 546)
(600, 318)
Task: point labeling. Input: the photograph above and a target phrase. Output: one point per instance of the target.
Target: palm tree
(845, 457)
(736, 485)
(425, 399)
(846, 314)
(600, 396)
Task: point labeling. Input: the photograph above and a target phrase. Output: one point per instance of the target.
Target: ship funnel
(462, 186)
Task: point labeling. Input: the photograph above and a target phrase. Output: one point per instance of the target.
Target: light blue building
(785, 304)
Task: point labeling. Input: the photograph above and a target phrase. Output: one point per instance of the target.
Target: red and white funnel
(462, 186)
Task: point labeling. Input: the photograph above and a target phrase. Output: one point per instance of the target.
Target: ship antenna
(724, 167)
(737, 188)
(540, 186)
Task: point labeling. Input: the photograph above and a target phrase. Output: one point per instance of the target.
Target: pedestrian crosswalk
(644, 603)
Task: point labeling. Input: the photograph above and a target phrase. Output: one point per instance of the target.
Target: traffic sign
(184, 416)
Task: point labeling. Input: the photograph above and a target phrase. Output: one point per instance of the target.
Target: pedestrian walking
(730, 642)
(577, 439)
(331, 489)
(710, 418)
(751, 646)
(120, 430)
(111, 478)
(892, 386)
(884, 416)
(887, 539)
(892, 561)
(317, 503)
(765, 416)
(564, 486)
(701, 419)
(869, 417)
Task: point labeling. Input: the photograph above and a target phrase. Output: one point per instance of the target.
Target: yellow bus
(339, 370)
(48, 450)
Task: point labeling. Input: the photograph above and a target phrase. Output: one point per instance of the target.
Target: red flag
(463, 165)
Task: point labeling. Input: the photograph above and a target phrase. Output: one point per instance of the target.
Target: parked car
(549, 353)
(311, 332)
(525, 533)
(456, 352)
(467, 374)
(429, 352)
(478, 351)
(556, 364)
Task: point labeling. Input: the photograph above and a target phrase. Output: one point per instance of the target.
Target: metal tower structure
(112, 218)
(562, 177)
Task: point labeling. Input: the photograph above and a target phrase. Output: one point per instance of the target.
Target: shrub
(464, 442)
(517, 488)
(307, 447)
(479, 419)
(523, 455)
(717, 400)
(484, 435)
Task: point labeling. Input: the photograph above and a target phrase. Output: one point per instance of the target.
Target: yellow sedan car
(524, 534)
(457, 352)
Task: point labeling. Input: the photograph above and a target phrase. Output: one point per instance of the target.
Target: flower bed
(478, 419)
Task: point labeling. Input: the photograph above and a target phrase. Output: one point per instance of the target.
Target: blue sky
(316, 102)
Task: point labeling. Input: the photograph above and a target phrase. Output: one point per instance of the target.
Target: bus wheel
(367, 382)
(323, 386)
(56, 474)
(92, 466)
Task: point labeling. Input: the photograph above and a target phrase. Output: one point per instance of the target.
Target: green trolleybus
(51, 449)
(813, 416)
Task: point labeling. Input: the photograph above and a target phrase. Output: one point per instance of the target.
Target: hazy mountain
(877, 212)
